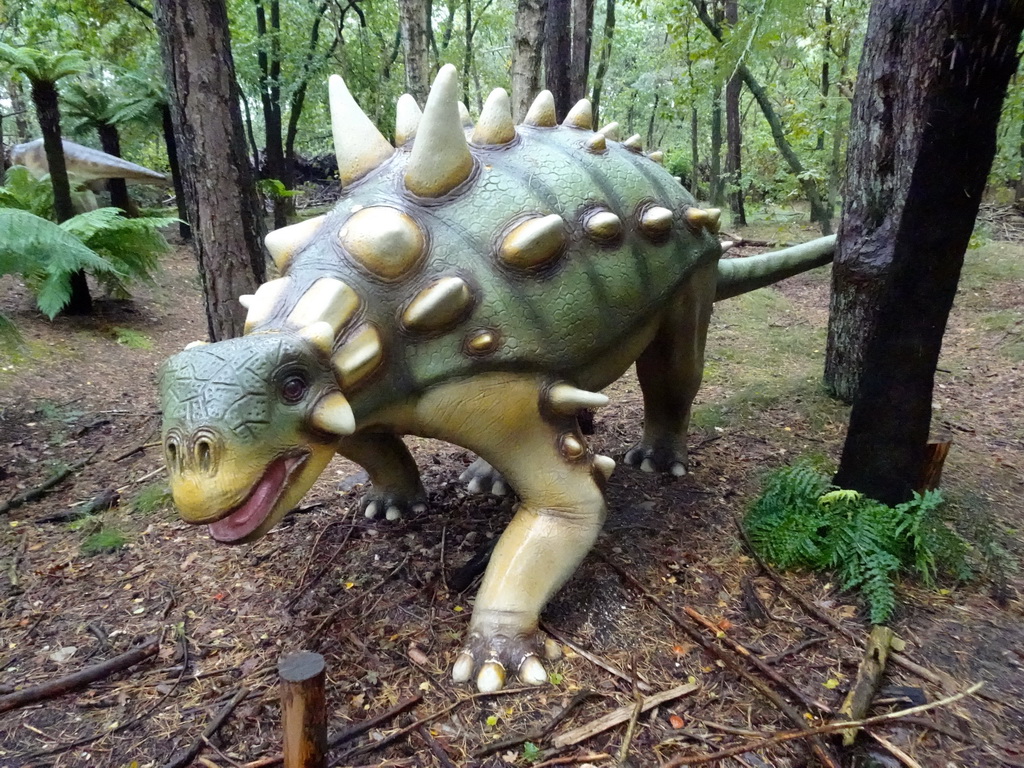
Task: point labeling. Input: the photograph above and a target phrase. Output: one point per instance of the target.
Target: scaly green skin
(543, 262)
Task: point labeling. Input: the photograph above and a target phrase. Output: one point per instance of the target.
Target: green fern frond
(802, 521)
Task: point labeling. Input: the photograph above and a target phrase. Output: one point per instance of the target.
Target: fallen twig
(641, 682)
(79, 679)
(794, 650)
(627, 739)
(820, 730)
(761, 666)
(538, 735)
(895, 751)
(186, 756)
(439, 752)
(869, 675)
(33, 494)
(322, 627)
(821, 751)
(620, 715)
(590, 757)
(104, 501)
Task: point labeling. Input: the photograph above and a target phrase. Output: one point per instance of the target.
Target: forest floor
(385, 603)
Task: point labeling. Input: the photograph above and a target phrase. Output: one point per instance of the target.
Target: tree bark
(606, 55)
(172, 161)
(733, 132)
(929, 94)
(413, 22)
(110, 141)
(46, 101)
(18, 108)
(268, 56)
(582, 38)
(298, 100)
(218, 179)
(558, 54)
(717, 186)
(526, 54)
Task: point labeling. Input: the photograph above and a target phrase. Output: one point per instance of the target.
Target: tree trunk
(652, 120)
(1018, 195)
(298, 100)
(269, 58)
(694, 153)
(733, 132)
(558, 54)
(218, 179)
(110, 141)
(927, 105)
(413, 22)
(582, 38)
(526, 54)
(717, 185)
(172, 161)
(21, 121)
(826, 55)
(45, 98)
(606, 55)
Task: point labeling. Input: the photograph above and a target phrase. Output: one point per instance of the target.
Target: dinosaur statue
(86, 166)
(478, 284)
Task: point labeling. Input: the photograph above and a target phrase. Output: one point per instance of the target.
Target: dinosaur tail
(736, 276)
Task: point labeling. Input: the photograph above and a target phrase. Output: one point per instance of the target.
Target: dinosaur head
(249, 424)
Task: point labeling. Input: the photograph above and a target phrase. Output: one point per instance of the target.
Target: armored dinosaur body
(476, 284)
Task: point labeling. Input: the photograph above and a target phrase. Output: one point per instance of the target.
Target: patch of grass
(104, 540)
(132, 339)
(1010, 324)
(994, 262)
(707, 417)
(972, 516)
(152, 499)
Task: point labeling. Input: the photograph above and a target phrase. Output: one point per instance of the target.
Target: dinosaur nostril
(171, 450)
(204, 455)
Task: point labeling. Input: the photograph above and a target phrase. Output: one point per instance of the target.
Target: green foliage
(531, 752)
(114, 249)
(132, 339)
(152, 498)
(802, 521)
(104, 540)
(42, 66)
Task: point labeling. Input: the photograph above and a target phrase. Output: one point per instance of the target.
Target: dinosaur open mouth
(261, 501)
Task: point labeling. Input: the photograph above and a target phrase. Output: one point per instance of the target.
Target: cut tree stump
(935, 457)
(303, 710)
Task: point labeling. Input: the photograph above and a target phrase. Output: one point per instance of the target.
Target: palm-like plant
(43, 70)
(90, 106)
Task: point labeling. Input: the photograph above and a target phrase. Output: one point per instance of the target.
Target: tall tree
(931, 85)
(733, 131)
(93, 107)
(606, 55)
(414, 22)
(558, 53)
(43, 70)
(218, 180)
(268, 55)
(582, 39)
(526, 54)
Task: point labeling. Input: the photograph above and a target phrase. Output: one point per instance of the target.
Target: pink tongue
(248, 517)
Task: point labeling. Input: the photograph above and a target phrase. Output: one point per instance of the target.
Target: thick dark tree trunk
(172, 161)
(606, 55)
(45, 98)
(733, 133)
(526, 54)
(414, 22)
(582, 39)
(220, 194)
(951, 60)
(558, 54)
(21, 121)
(110, 142)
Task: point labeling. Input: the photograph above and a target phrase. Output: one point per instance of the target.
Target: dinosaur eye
(294, 388)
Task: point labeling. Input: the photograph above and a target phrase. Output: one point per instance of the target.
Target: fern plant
(802, 521)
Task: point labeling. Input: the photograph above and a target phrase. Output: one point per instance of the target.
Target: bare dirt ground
(386, 604)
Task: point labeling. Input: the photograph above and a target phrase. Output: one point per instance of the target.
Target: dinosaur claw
(419, 508)
(552, 650)
(633, 457)
(393, 513)
(491, 677)
(532, 672)
(647, 465)
(371, 510)
(463, 668)
(499, 488)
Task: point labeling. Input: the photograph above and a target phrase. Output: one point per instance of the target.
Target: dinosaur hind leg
(669, 371)
(504, 418)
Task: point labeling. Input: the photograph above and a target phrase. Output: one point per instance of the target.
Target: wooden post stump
(935, 457)
(303, 710)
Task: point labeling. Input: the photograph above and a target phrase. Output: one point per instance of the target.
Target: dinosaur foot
(492, 657)
(392, 506)
(657, 459)
(481, 477)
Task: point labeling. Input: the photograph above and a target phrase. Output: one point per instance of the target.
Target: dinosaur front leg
(669, 371)
(528, 432)
(396, 479)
